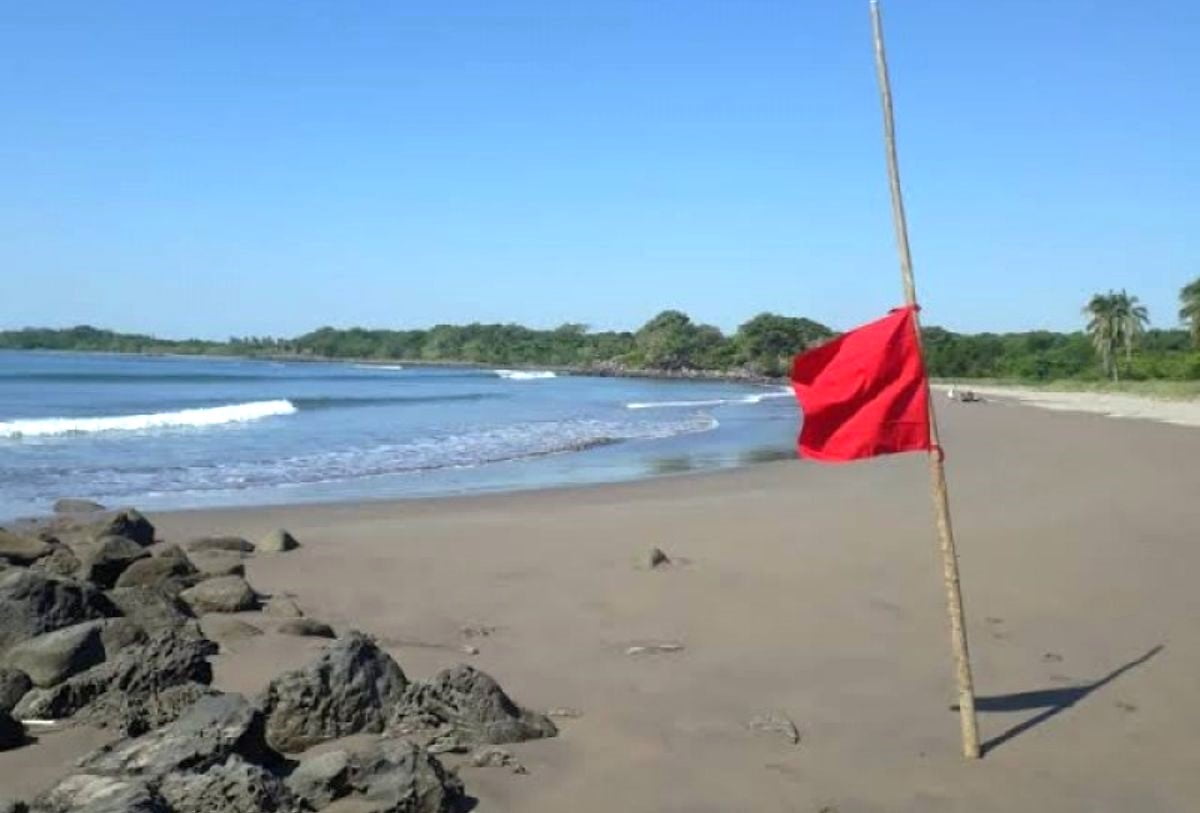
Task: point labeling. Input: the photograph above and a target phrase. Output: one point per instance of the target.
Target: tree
(1116, 321)
(672, 341)
(1190, 312)
(767, 342)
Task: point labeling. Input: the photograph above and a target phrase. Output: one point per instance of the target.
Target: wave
(451, 450)
(378, 367)
(525, 375)
(205, 416)
(335, 402)
(754, 398)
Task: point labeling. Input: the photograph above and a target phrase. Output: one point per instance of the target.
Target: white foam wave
(208, 416)
(754, 398)
(378, 367)
(525, 375)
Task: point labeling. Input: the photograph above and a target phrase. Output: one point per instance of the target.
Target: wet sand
(800, 590)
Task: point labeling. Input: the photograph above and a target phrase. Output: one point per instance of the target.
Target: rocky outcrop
(218, 563)
(52, 658)
(12, 733)
(94, 793)
(236, 544)
(68, 505)
(168, 572)
(223, 594)
(234, 786)
(32, 603)
(128, 523)
(142, 686)
(350, 688)
(397, 776)
(277, 541)
(472, 705)
(17, 549)
(103, 560)
(61, 562)
(283, 607)
(13, 685)
(152, 608)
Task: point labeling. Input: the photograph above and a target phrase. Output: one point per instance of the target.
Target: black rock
(32, 603)
(153, 608)
(127, 522)
(13, 685)
(474, 706)
(12, 733)
(94, 793)
(226, 543)
(103, 560)
(208, 733)
(18, 549)
(130, 690)
(168, 572)
(234, 786)
(351, 688)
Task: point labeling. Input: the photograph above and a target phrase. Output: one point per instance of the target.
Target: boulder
(118, 633)
(395, 777)
(127, 522)
(207, 734)
(306, 627)
(283, 607)
(169, 572)
(218, 563)
(13, 685)
(61, 562)
(235, 544)
(657, 558)
(223, 594)
(277, 541)
(142, 686)
(95, 793)
(51, 658)
(350, 688)
(12, 733)
(234, 786)
(17, 549)
(12, 806)
(321, 780)
(32, 603)
(103, 560)
(171, 551)
(152, 608)
(472, 704)
(69, 505)
(408, 780)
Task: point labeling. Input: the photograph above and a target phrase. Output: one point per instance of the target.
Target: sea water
(179, 432)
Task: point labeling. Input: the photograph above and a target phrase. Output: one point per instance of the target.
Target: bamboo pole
(941, 501)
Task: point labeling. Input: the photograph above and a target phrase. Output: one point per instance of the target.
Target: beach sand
(800, 590)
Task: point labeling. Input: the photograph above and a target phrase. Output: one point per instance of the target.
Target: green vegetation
(1115, 345)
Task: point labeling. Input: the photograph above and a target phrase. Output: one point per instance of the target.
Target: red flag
(864, 393)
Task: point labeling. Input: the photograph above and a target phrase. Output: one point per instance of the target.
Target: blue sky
(228, 168)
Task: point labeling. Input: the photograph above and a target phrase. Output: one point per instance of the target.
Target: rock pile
(98, 624)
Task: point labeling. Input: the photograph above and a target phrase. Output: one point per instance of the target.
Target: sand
(1184, 412)
(800, 590)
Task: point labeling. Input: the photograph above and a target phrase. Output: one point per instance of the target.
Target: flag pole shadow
(1053, 701)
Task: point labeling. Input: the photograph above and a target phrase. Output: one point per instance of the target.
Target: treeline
(669, 342)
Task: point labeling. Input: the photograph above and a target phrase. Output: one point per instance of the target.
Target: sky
(231, 168)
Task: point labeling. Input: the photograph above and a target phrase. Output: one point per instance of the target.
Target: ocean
(163, 432)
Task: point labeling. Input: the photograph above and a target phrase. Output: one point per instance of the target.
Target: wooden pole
(941, 501)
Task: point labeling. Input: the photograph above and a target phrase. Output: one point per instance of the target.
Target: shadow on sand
(1054, 701)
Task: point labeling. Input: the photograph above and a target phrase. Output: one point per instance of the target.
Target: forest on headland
(1115, 342)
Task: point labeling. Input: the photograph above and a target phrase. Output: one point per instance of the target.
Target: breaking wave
(754, 398)
(525, 375)
(205, 416)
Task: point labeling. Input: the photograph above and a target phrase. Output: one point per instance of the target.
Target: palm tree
(1190, 312)
(1116, 321)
